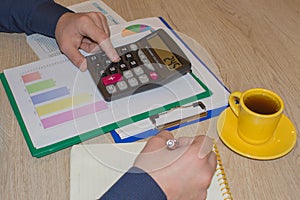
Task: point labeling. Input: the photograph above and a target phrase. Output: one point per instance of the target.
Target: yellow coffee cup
(258, 112)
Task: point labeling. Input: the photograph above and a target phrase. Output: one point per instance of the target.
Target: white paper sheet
(46, 47)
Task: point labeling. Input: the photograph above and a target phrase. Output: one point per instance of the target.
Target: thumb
(77, 58)
(206, 147)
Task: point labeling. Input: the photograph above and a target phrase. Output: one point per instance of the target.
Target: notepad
(94, 168)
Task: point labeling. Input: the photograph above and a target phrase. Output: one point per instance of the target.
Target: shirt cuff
(44, 18)
(135, 184)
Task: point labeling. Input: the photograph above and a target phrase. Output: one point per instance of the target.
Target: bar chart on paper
(54, 102)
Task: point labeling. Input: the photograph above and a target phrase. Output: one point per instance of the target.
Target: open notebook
(94, 168)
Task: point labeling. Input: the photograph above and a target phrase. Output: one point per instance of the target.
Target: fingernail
(206, 147)
(116, 59)
(110, 51)
(83, 66)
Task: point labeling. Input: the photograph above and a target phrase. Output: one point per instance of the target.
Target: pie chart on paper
(136, 28)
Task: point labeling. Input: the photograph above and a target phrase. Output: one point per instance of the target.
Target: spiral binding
(222, 179)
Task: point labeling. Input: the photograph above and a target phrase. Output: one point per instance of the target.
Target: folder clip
(153, 118)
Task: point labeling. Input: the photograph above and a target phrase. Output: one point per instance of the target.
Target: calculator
(147, 63)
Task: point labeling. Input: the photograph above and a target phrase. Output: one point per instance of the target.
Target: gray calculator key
(128, 74)
(145, 61)
(101, 72)
(149, 66)
(107, 62)
(144, 78)
(133, 82)
(122, 85)
(141, 55)
(133, 47)
(138, 71)
(93, 58)
(111, 89)
(123, 50)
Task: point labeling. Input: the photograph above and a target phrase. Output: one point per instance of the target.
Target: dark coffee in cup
(262, 104)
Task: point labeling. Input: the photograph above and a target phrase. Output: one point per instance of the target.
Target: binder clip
(202, 114)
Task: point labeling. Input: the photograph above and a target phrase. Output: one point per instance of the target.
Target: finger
(98, 35)
(76, 58)
(89, 47)
(184, 141)
(158, 141)
(161, 138)
(164, 134)
(104, 23)
(212, 160)
(100, 20)
(109, 50)
(206, 147)
(83, 66)
(87, 40)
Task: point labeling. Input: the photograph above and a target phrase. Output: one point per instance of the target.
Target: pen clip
(202, 114)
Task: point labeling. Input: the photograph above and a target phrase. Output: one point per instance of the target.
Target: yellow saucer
(282, 142)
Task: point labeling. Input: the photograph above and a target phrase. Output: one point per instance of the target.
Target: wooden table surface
(253, 44)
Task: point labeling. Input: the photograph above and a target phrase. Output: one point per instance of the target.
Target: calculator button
(123, 67)
(138, 71)
(133, 82)
(133, 63)
(144, 78)
(149, 66)
(128, 56)
(123, 50)
(107, 62)
(101, 73)
(133, 47)
(112, 70)
(142, 55)
(153, 75)
(107, 80)
(111, 89)
(145, 61)
(122, 85)
(94, 58)
(128, 74)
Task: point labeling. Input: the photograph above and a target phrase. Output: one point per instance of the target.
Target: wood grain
(251, 44)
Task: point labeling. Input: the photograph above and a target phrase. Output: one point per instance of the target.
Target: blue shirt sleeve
(135, 184)
(30, 16)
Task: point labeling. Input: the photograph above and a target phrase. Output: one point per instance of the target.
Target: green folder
(39, 152)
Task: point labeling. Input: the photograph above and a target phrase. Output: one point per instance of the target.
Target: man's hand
(182, 173)
(84, 31)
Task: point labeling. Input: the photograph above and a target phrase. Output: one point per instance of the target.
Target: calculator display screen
(164, 53)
